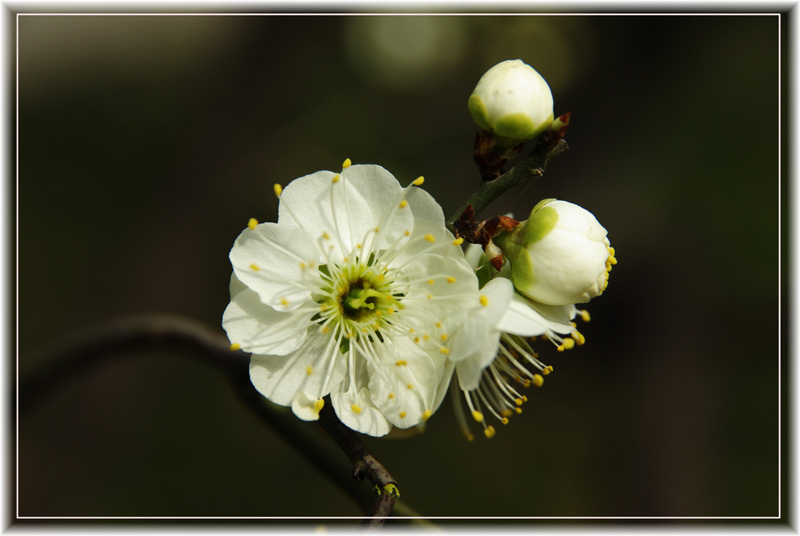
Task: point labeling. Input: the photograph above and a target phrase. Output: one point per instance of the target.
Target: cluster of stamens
(498, 393)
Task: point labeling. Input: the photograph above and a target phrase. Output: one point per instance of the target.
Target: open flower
(353, 293)
(560, 255)
(491, 352)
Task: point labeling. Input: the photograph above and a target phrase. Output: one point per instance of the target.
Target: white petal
(358, 412)
(349, 209)
(235, 286)
(280, 378)
(404, 384)
(469, 373)
(473, 254)
(451, 298)
(478, 336)
(529, 318)
(306, 407)
(260, 329)
(269, 260)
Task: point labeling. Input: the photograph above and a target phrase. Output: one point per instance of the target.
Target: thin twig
(531, 168)
(74, 355)
(365, 465)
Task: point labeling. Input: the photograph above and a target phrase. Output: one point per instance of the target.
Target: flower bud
(512, 100)
(560, 255)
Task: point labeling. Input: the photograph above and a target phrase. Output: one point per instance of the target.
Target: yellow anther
(402, 414)
(524, 398)
(489, 432)
(538, 380)
(390, 310)
(401, 362)
(418, 181)
(403, 203)
(416, 339)
(526, 383)
(443, 336)
(326, 236)
(504, 420)
(458, 241)
(518, 401)
(409, 386)
(411, 330)
(318, 405)
(284, 302)
(579, 338)
(254, 267)
(278, 189)
(359, 246)
(443, 350)
(303, 266)
(236, 346)
(438, 324)
(324, 307)
(309, 370)
(431, 281)
(484, 300)
(584, 314)
(470, 437)
(347, 163)
(429, 296)
(430, 238)
(336, 178)
(451, 279)
(568, 344)
(477, 415)
(379, 278)
(506, 413)
(426, 415)
(391, 489)
(547, 370)
(356, 408)
(251, 223)
(518, 410)
(377, 229)
(326, 329)
(391, 396)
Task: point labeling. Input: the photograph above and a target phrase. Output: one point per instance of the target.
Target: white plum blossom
(560, 255)
(353, 293)
(512, 100)
(491, 351)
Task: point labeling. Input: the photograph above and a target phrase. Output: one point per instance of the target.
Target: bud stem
(531, 167)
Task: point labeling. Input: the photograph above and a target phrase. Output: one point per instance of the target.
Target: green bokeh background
(146, 143)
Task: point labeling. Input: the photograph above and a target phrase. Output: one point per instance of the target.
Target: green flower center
(363, 297)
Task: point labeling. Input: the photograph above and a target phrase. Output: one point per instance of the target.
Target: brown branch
(364, 465)
(531, 167)
(75, 354)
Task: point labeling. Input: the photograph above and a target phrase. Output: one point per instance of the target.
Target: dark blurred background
(146, 143)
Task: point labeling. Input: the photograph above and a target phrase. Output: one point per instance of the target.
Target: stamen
(278, 189)
(484, 300)
(252, 223)
(347, 163)
(236, 346)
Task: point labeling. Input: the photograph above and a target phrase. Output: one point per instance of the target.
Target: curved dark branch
(74, 355)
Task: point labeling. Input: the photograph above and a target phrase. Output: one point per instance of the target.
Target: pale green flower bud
(560, 255)
(512, 100)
